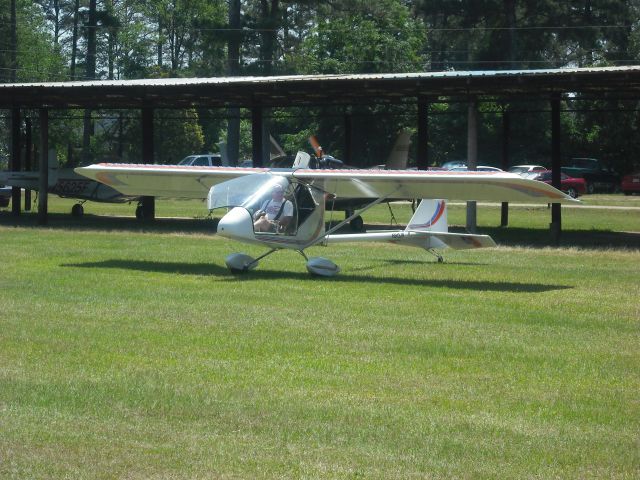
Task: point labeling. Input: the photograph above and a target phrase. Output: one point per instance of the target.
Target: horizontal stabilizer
(464, 241)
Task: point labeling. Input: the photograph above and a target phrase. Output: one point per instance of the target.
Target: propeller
(316, 146)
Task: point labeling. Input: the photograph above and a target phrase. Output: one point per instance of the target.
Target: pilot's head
(277, 192)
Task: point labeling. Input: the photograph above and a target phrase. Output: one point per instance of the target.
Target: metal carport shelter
(257, 93)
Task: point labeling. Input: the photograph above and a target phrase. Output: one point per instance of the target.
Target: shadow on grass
(399, 261)
(592, 239)
(88, 222)
(528, 237)
(205, 269)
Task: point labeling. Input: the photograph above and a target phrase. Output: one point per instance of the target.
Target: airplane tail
(302, 160)
(431, 218)
(399, 155)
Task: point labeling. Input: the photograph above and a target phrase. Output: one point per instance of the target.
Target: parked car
(631, 184)
(280, 162)
(454, 164)
(205, 160)
(479, 168)
(524, 170)
(5, 196)
(597, 176)
(569, 185)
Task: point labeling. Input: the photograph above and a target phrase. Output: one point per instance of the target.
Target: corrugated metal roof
(315, 89)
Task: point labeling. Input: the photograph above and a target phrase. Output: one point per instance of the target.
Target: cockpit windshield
(245, 191)
(269, 199)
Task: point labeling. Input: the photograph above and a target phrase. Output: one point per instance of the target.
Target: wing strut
(347, 220)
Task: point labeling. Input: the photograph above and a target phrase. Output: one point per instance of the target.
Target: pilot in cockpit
(275, 214)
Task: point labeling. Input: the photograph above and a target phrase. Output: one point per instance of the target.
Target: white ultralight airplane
(245, 191)
(66, 183)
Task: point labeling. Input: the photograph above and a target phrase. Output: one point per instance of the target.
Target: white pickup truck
(204, 160)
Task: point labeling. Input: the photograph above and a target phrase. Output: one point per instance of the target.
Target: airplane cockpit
(277, 205)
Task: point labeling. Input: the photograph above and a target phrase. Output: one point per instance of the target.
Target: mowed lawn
(131, 352)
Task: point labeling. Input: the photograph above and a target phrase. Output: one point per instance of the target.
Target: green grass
(132, 352)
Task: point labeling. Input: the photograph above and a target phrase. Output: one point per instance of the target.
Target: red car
(631, 183)
(570, 185)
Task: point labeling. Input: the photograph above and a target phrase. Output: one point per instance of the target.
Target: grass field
(129, 351)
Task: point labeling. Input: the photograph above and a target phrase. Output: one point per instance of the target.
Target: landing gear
(242, 263)
(77, 210)
(436, 254)
(572, 192)
(139, 212)
(357, 224)
(322, 267)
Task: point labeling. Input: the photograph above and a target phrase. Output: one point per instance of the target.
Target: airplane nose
(237, 223)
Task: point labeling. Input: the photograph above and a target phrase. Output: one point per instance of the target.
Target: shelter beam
(148, 154)
(44, 167)
(423, 134)
(506, 133)
(348, 135)
(472, 157)
(256, 135)
(16, 195)
(28, 154)
(556, 163)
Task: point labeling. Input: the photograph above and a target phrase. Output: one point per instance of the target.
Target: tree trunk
(233, 69)
(270, 13)
(90, 73)
(510, 14)
(159, 44)
(74, 41)
(14, 43)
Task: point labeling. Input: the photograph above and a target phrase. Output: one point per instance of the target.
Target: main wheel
(139, 212)
(77, 210)
(357, 224)
(572, 192)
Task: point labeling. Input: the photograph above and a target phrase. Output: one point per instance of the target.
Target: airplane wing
(482, 186)
(29, 180)
(195, 182)
(170, 181)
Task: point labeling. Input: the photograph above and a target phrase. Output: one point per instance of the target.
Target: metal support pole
(556, 162)
(472, 157)
(148, 203)
(423, 134)
(256, 136)
(28, 165)
(16, 195)
(44, 167)
(506, 132)
(348, 134)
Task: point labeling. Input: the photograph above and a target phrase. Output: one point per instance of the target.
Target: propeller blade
(316, 146)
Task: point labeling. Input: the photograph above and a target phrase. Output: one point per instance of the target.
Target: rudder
(430, 216)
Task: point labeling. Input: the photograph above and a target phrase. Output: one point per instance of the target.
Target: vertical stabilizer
(430, 216)
(399, 155)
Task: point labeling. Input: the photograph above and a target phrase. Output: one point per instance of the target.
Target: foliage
(166, 38)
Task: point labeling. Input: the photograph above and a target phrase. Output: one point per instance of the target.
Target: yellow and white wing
(407, 184)
(194, 182)
(169, 181)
